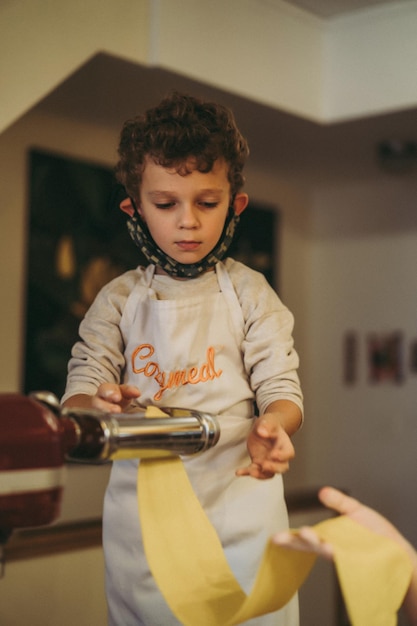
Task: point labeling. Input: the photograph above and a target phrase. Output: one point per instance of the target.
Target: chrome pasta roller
(37, 437)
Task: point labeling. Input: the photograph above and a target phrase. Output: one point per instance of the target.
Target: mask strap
(141, 236)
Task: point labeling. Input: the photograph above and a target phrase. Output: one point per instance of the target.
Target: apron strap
(235, 309)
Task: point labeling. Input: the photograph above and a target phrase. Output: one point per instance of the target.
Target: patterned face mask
(140, 234)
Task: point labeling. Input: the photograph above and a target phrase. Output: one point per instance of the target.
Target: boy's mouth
(188, 245)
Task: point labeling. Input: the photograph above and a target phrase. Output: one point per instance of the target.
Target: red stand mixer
(37, 437)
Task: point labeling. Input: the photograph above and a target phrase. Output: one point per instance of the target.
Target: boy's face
(186, 214)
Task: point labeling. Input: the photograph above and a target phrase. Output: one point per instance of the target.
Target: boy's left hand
(269, 447)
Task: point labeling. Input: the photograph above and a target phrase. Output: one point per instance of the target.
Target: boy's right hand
(114, 398)
(110, 398)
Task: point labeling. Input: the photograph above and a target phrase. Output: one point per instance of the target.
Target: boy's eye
(171, 203)
(164, 205)
(209, 205)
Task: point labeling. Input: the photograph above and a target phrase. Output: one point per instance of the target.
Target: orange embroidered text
(142, 364)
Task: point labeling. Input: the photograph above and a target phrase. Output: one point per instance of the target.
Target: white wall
(271, 52)
(64, 589)
(43, 42)
(349, 264)
(267, 50)
(369, 60)
(363, 437)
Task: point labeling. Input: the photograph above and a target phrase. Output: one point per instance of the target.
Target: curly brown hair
(179, 128)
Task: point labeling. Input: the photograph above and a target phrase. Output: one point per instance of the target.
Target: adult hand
(306, 539)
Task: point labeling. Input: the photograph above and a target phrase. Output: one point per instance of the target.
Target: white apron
(186, 353)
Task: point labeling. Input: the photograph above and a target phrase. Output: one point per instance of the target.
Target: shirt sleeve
(98, 356)
(270, 359)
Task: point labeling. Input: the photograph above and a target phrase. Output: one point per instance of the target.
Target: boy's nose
(188, 217)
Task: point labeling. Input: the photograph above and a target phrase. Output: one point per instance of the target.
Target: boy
(193, 331)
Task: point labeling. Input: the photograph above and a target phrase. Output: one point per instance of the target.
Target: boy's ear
(240, 202)
(127, 207)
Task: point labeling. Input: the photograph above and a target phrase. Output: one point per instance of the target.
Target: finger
(295, 541)
(304, 540)
(283, 538)
(255, 471)
(265, 461)
(105, 406)
(129, 391)
(283, 450)
(307, 534)
(110, 392)
(242, 471)
(338, 501)
(265, 429)
(275, 467)
(310, 538)
(262, 429)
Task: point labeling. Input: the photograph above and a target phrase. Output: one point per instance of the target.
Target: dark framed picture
(256, 243)
(385, 357)
(77, 242)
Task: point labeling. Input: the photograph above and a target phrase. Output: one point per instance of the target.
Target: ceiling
(109, 90)
(332, 8)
